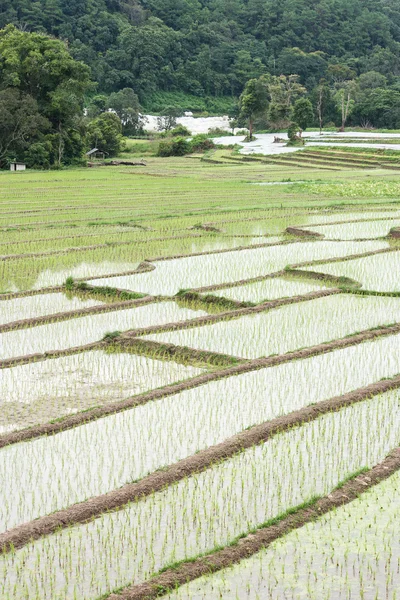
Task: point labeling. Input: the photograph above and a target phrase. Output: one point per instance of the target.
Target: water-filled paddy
(290, 327)
(85, 330)
(41, 305)
(97, 457)
(39, 392)
(379, 273)
(269, 289)
(354, 550)
(360, 230)
(197, 271)
(204, 510)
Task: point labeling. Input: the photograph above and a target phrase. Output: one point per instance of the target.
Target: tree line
(210, 48)
(339, 99)
(52, 110)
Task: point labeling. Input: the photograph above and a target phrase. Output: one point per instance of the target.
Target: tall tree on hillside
(41, 69)
(303, 113)
(125, 104)
(345, 100)
(322, 93)
(284, 91)
(254, 101)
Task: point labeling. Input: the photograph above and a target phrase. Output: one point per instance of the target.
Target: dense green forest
(210, 48)
(77, 74)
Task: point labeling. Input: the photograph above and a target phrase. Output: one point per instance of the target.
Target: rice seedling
(269, 289)
(357, 230)
(40, 392)
(84, 330)
(377, 273)
(40, 306)
(200, 225)
(352, 552)
(198, 271)
(205, 510)
(97, 457)
(289, 327)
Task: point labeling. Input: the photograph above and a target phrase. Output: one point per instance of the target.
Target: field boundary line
(323, 261)
(255, 541)
(338, 280)
(222, 250)
(303, 233)
(232, 314)
(201, 461)
(16, 361)
(73, 249)
(239, 283)
(81, 418)
(180, 354)
(74, 314)
(28, 293)
(144, 267)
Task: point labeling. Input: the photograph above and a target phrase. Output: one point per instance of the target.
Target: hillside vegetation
(210, 48)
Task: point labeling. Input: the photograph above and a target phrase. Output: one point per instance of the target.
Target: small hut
(96, 154)
(17, 166)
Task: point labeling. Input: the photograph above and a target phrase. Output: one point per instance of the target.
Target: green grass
(130, 211)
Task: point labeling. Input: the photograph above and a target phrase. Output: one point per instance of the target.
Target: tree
(294, 132)
(41, 69)
(322, 98)
(380, 107)
(169, 116)
(303, 113)
(253, 101)
(371, 80)
(20, 122)
(125, 104)
(105, 133)
(344, 99)
(98, 104)
(284, 91)
(338, 73)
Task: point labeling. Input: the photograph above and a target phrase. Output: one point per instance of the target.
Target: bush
(180, 131)
(201, 143)
(293, 130)
(39, 155)
(218, 132)
(174, 147)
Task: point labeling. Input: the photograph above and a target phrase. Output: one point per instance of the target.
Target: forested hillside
(210, 48)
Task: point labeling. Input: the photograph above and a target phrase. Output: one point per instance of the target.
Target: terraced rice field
(200, 379)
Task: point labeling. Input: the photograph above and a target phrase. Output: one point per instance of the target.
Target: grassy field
(200, 382)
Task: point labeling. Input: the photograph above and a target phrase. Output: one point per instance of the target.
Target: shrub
(180, 131)
(293, 130)
(174, 147)
(201, 143)
(218, 132)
